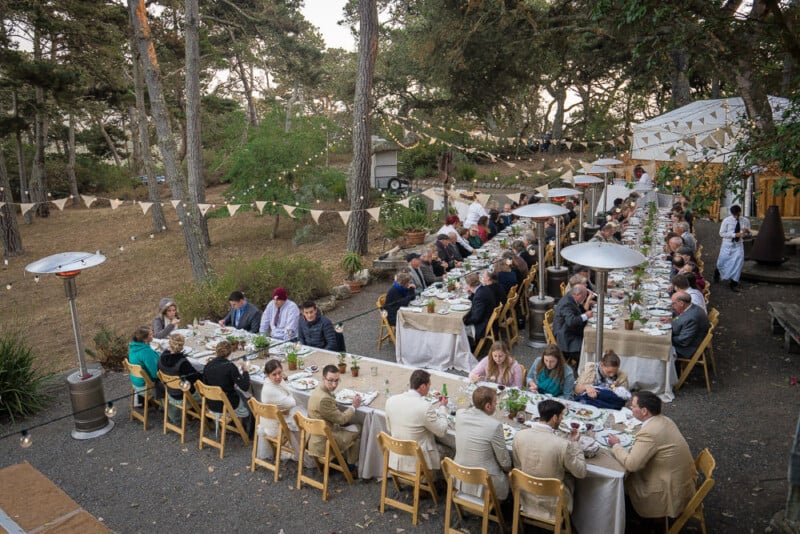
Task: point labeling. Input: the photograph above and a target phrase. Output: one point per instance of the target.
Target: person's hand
(589, 314)
(443, 400)
(176, 322)
(532, 386)
(222, 322)
(574, 435)
(357, 401)
(612, 440)
(474, 378)
(591, 391)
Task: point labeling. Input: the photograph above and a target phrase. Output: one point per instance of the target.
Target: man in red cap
(279, 320)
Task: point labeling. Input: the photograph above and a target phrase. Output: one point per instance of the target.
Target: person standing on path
(731, 252)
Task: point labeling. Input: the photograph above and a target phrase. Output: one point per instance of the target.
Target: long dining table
(599, 498)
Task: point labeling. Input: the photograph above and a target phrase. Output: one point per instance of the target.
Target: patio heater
(584, 181)
(602, 258)
(541, 303)
(556, 275)
(600, 166)
(85, 385)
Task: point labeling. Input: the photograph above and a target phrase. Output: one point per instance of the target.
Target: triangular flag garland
(404, 202)
(345, 215)
(175, 203)
(88, 200)
(260, 206)
(204, 208)
(232, 209)
(60, 203)
(115, 203)
(315, 214)
(26, 207)
(375, 213)
(430, 193)
(145, 206)
(2, 204)
(289, 210)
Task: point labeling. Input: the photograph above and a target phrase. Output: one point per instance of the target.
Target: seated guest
(173, 362)
(242, 314)
(400, 294)
(541, 452)
(417, 278)
(674, 242)
(432, 269)
(661, 477)
(451, 224)
(167, 319)
(550, 229)
(410, 417)
(491, 280)
(689, 327)
(322, 405)
(689, 241)
(223, 373)
(480, 442)
(456, 248)
(525, 251)
(505, 276)
(507, 217)
(550, 374)
(569, 320)
(598, 384)
(499, 367)
(606, 233)
(518, 265)
(683, 282)
(483, 300)
(463, 235)
(275, 391)
(495, 224)
(445, 252)
(281, 317)
(483, 228)
(474, 238)
(140, 353)
(315, 329)
(570, 215)
(586, 273)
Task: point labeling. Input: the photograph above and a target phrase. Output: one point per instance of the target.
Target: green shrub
(111, 348)
(20, 383)
(466, 172)
(304, 278)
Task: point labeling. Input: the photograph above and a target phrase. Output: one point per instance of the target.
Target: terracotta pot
(431, 308)
(628, 324)
(354, 285)
(342, 367)
(354, 371)
(292, 366)
(512, 415)
(415, 238)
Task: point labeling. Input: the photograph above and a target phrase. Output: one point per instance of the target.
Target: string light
(8, 286)
(110, 410)
(36, 278)
(25, 440)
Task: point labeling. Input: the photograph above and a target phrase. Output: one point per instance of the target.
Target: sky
(324, 14)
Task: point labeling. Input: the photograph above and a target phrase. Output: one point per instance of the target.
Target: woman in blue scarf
(400, 294)
(550, 374)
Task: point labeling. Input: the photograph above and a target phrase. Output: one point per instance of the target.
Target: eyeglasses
(332, 380)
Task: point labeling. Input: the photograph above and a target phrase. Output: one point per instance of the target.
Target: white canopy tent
(703, 130)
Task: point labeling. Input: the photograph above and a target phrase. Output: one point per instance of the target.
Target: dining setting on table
(377, 380)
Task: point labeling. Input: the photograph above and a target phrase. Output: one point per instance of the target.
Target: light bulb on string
(25, 440)
(36, 278)
(8, 286)
(110, 410)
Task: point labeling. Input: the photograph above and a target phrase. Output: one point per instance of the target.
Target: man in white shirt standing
(475, 212)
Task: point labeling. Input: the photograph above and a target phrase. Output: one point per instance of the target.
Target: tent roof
(706, 129)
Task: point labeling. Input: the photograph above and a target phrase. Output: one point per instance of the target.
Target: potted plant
(354, 367)
(514, 401)
(352, 264)
(431, 306)
(261, 344)
(291, 360)
(342, 363)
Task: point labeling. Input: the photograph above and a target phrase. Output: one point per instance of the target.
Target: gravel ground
(139, 481)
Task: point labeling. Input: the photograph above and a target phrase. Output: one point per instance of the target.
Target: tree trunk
(38, 184)
(560, 96)
(192, 234)
(135, 163)
(197, 185)
(750, 87)
(24, 193)
(9, 229)
(358, 183)
(252, 116)
(681, 91)
(73, 180)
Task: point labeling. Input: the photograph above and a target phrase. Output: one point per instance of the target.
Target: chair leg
(415, 513)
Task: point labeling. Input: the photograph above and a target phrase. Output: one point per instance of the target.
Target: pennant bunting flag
(60, 203)
(682, 158)
(2, 204)
(289, 210)
(175, 203)
(203, 208)
(689, 124)
(233, 208)
(115, 203)
(315, 215)
(260, 206)
(88, 200)
(431, 193)
(657, 135)
(483, 198)
(691, 141)
(543, 190)
(26, 207)
(375, 213)
(145, 206)
(403, 202)
(713, 114)
(345, 215)
(569, 144)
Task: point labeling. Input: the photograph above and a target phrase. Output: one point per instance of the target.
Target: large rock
(341, 292)
(328, 303)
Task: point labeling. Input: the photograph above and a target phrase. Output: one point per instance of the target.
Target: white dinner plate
(304, 384)
(346, 396)
(225, 331)
(460, 307)
(624, 439)
(568, 423)
(659, 313)
(584, 411)
(185, 332)
(509, 432)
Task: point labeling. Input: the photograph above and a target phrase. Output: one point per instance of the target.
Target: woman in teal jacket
(140, 353)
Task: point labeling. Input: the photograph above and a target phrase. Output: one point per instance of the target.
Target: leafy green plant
(21, 383)
(111, 348)
(514, 401)
(352, 264)
(398, 220)
(354, 359)
(260, 342)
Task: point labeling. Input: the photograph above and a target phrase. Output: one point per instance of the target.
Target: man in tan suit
(480, 441)
(540, 452)
(322, 405)
(661, 476)
(410, 417)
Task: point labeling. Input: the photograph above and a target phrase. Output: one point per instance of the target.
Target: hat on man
(412, 256)
(685, 250)
(441, 237)
(279, 294)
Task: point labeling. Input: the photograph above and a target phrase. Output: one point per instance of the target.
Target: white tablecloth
(433, 350)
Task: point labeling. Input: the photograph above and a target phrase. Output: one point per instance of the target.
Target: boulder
(341, 292)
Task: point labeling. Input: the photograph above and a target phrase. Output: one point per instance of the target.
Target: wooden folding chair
(508, 318)
(487, 507)
(563, 287)
(699, 358)
(188, 405)
(550, 336)
(149, 393)
(386, 331)
(421, 479)
(541, 487)
(281, 442)
(223, 421)
(317, 427)
(713, 319)
(549, 255)
(705, 464)
(525, 292)
(707, 292)
(489, 335)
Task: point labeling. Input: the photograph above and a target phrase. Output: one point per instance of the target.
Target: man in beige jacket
(661, 476)
(540, 452)
(322, 405)
(410, 416)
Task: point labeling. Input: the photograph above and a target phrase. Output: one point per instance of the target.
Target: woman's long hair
(558, 370)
